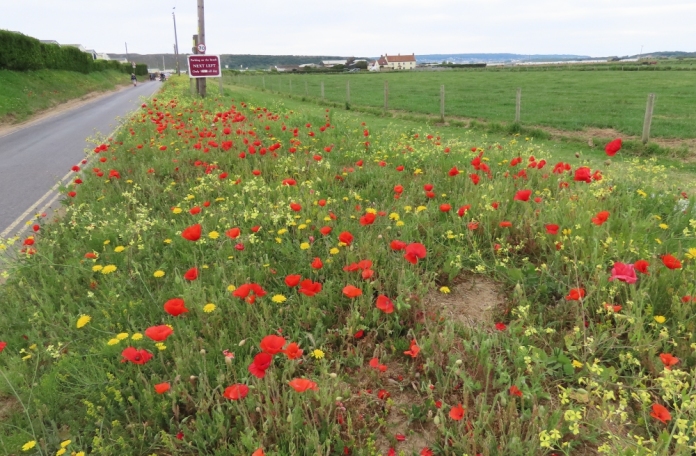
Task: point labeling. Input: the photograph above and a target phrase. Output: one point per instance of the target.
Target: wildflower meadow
(231, 278)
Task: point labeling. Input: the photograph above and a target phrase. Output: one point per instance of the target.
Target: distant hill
(491, 58)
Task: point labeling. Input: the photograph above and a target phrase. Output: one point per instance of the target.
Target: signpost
(204, 66)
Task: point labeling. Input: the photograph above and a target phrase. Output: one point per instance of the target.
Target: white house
(397, 62)
(332, 63)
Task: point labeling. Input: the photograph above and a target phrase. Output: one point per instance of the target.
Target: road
(35, 158)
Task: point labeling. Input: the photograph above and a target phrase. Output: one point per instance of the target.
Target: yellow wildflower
(113, 341)
(97, 267)
(394, 216)
(334, 251)
(121, 336)
(371, 210)
(304, 245)
(231, 288)
(119, 249)
(160, 346)
(444, 290)
(83, 320)
(158, 273)
(61, 452)
(167, 241)
(29, 445)
(279, 299)
(318, 354)
(209, 307)
(421, 208)
(664, 226)
(213, 235)
(107, 242)
(137, 336)
(65, 443)
(400, 223)
(177, 210)
(577, 363)
(691, 253)
(108, 269)
(282, 231)
(660, 319)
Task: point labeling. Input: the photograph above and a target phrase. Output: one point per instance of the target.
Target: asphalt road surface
(35, 158)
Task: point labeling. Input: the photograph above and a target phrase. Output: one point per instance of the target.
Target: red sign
(204, 66)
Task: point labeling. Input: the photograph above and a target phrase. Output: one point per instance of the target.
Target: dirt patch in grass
(418, 434)
(471, 301)
(8, 405)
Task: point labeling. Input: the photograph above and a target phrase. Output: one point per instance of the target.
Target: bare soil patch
(471, 301)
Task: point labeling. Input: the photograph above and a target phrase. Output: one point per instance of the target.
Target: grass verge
(23, 94)
(238, 277)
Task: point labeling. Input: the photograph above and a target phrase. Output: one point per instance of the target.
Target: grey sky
(364, 27)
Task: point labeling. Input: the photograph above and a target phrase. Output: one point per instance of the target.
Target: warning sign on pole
(204, 66)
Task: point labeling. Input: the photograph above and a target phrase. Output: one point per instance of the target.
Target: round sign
(201, 48)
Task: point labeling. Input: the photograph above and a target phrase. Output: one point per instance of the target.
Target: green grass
(563, 99)
(586, 379)
(23, 94)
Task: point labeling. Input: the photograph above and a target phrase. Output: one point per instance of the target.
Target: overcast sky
(364, 27)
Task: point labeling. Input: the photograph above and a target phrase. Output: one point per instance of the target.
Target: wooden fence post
(222, 91)
(263, 80)
(322, 90)
(290, 85)
(348, 92)
(442, 103)
(192, 83)
(386, 95)
(518, 106)
(648, 117)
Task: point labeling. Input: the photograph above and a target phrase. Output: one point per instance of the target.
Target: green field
(23, 94)
(562, 99)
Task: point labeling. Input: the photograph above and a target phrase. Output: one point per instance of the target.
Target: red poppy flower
(345, 237)
(367, 274)
(660, 413)
(374, 363)
(462, 210)
(505, 224)
(668, 360)
(233, 233)
(261, 363)
(191, 274)
(258, 452)
(159, 333)
(90, 255)
(414, 252)
(255, 229)
(309, 288)
(641, 266)
(474, 178)
(236, 392)
(135, 356)
(413, 350)
(195, 210)
(293, 351)
(175, 307)
(302, 384)
(575, 294)
(360, 334)
(295, 207)
(384, 304)
(289, 182)
(326, 230)
(292, 280)
(445, 207)
(453, 172)
(583, 174)
(600, 218)
(500, 326)
(398, 189)
(671, 262)
(351, 292)
(522, 195)
(552, 229)
(192, 233)
(397, 245)
(162, 388)
(457, 413)
(2, 345)
(317, 264)
(367, 219)
(472, 225)
(244, 290)
(613, 147)
(515, 391)
(272, 344)
(623, 272)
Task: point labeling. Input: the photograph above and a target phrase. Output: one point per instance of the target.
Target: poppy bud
(202, 351)
(436, 420)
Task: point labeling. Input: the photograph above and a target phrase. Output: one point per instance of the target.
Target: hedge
(19, 52)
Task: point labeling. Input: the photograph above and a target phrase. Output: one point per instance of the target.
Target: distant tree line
(19, 52)
(265, 61)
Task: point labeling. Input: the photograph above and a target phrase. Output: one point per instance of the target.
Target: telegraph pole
(201, 40)
(176, 45)
(127, 58)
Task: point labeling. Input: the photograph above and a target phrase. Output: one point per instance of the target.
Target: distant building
(103, 56)
(287, 68)
(333, 63)
(397, 62)
(79, 46)
(50, 42)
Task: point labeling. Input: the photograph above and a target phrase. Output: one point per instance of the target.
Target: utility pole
(127, 58)
(176, 45)
(201, 40)
(164, 67)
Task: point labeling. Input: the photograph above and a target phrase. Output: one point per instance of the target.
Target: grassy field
(23, 94)
(253, 275)
(563, 99)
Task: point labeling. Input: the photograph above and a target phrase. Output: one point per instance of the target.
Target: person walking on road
(134, 79)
